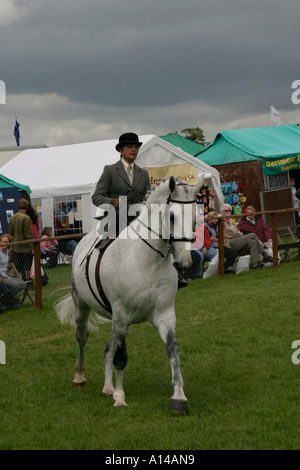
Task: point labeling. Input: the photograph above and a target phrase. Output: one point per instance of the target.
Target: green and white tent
(187, 145)
(278, 148)
(8, 183)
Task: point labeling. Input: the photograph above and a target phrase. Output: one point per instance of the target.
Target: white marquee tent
(8, 153)
(75, 169)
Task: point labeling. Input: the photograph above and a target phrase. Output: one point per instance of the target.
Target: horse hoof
(120, 404)
(108, 390)
(180, 406)
(78, 384)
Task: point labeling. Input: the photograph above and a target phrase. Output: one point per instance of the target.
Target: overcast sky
(88, 70)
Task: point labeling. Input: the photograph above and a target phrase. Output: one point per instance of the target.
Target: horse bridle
(171, 239)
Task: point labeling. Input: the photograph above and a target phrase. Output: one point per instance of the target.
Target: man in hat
(123, 178)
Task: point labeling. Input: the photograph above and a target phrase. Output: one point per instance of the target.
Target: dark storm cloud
(154, 66)
(142, 53)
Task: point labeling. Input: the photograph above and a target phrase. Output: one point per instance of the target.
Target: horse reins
(171, 239)
(147, 243)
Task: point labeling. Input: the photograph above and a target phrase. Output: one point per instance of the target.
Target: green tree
(195, 134)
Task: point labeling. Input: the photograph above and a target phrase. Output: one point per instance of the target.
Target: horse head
(183, 216)
(171, 213)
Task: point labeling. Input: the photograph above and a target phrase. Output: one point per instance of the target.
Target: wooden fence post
(274, 239)
(221, 246)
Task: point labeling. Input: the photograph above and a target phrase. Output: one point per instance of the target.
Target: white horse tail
(65, 310)
(66, 313)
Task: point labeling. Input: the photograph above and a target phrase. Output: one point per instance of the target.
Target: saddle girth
(105, 304)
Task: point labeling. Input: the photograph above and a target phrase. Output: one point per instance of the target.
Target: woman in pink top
(49, 248)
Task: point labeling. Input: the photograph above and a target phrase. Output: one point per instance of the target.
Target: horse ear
(172, 184)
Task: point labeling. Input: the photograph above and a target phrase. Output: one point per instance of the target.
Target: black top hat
(127, 139)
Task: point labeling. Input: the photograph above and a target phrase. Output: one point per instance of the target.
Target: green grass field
(235, 334)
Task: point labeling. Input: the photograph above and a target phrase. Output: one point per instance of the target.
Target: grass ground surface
(235, 334)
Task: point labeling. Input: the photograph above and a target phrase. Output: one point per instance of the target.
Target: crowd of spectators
(17, 262)
(248, 235)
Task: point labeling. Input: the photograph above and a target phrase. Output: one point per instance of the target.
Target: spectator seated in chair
(211, 226)
(49, 248)
(66, 246)
(10, 286)
(202, 250)
(243, 244)
(253, 224)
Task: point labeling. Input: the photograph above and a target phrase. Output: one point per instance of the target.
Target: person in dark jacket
(20, 229)
(123, 178)
(253, 224)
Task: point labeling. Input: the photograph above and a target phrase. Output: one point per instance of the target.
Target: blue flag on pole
(17, 133)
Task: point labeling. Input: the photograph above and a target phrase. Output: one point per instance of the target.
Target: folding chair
(14, 272)
(291, 247)
(63, 258)
(2, 307)
(64, 254)
(293, 233)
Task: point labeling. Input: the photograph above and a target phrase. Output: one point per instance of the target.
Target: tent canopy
(185, 144)
(75, 169)
(8, 153)
(7, 183)
(277, 146)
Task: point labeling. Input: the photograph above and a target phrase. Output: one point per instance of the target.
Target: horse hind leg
(120, 361)
(82, 334)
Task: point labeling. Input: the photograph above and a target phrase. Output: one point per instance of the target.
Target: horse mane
(160, 191)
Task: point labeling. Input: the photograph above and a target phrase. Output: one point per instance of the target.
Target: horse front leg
(178, 402)
(108, 388)
(116, 355)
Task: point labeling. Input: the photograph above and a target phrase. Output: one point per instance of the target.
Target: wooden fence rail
(37, 250)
